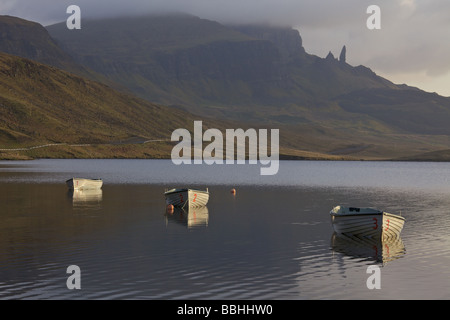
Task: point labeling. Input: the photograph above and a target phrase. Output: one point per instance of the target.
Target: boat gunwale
(98, 179)
(367, 214)
(376, 212)
(86, 183)
(174, 191)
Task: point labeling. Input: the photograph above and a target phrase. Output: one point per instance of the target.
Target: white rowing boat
(191, 198)
(84, 184)
(366, 222)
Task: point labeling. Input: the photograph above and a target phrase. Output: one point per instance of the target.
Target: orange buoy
(233, 191)
(170, 208)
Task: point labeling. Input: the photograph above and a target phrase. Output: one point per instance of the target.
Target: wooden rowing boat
(366, 222)
(191, 198)
(84, 184)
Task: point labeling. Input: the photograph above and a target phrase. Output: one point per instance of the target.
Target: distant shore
(162, 150)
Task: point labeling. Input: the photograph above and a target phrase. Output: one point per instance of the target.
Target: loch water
(272, 240)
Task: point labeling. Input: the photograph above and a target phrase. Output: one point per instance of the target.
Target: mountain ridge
(198, 63)
(246, 76)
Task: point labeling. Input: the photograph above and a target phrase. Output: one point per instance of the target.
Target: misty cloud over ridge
(277, 12)
(412, 44)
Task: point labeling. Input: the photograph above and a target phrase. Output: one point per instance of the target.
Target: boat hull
(187, 198)
(377, 225)
(84, 184)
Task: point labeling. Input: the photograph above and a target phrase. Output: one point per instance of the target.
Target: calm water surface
(272, 240)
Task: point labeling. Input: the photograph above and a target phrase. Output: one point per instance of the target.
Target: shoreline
(161, 149)
(282, 158)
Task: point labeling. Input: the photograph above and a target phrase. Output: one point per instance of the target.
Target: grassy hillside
(41, 104)
(73, 117)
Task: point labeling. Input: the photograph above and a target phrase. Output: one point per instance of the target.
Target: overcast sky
(412, 46)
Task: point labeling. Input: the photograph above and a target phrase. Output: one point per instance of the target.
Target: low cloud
(414, 35)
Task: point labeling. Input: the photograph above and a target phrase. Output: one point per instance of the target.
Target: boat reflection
(189, 217)
(377, 250)
(89, 198)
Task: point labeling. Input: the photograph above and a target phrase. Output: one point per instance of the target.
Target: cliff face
(184, 60)
(216, 60)
(288, 41)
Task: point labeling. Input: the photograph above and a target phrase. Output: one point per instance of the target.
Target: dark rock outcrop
(342, 56)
